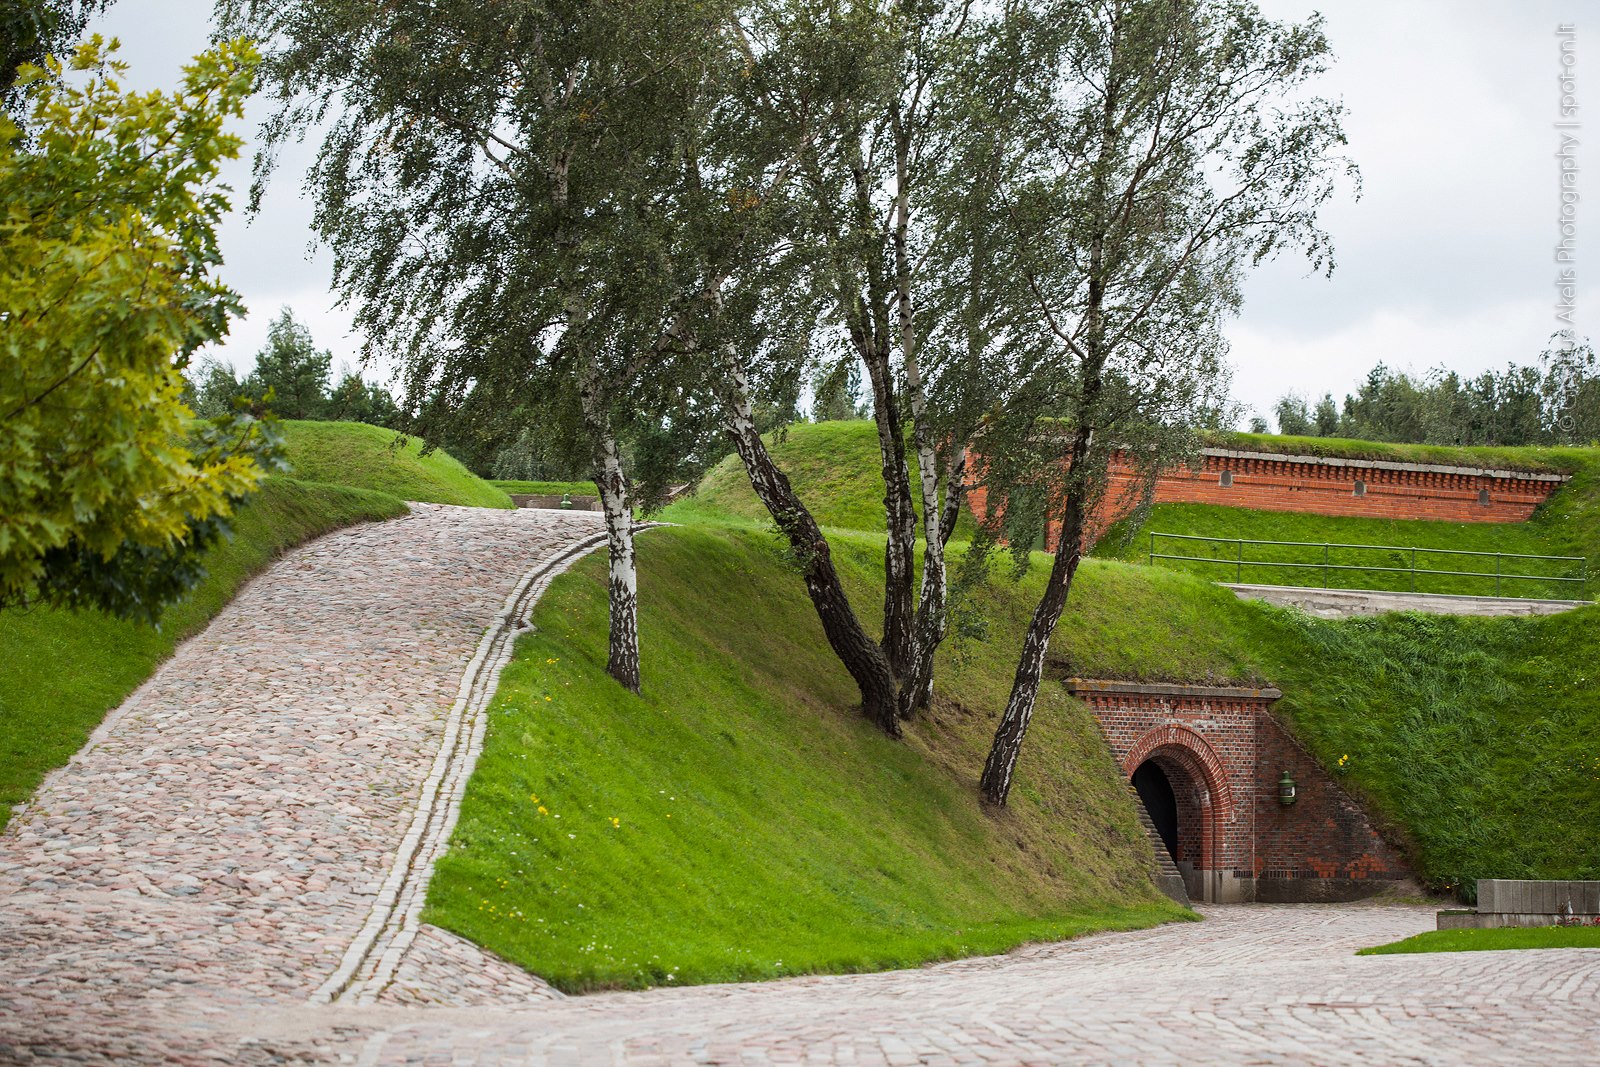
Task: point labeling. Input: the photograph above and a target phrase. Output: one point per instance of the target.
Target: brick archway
(1200, 786)
(1222, 752)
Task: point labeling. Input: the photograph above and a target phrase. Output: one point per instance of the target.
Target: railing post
(1152, 548)
(1497, 574)
(1325, 584)
(1238, 571)
(1413, 568)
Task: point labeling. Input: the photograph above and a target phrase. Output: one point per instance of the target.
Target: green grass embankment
(1491, 940)
(61, 671)
(833, 465)
(366, 457)
(739, 820)
(1520, 458)
(1474, 738)
(1453, 545)
(1568, 524)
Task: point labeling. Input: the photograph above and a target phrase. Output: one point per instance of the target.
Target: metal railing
(1327, 566)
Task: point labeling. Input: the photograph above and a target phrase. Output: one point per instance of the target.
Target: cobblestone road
(234, 827)
(184, 889)
(1251, 985)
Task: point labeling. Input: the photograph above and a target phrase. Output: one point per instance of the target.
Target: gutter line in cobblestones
(369, 965)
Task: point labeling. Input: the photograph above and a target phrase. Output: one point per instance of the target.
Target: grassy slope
(760, 826)
(1567, 525)
(355, 454)
(833, 464)
(1485, 940)
(547, 488)
(1209, 520)
(1518, 458)
(738, 821)
(61, 671)
(1475, 738)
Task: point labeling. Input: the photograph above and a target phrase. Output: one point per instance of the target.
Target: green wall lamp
(1286, 790)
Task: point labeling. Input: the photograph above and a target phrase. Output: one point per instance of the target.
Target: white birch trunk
(622, 663)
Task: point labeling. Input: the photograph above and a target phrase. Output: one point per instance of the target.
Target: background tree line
(292, 378)
(1555, 401)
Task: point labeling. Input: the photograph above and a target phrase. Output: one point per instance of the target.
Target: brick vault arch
(1205, 797)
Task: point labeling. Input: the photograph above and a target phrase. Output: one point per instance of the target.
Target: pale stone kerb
(1085, 687)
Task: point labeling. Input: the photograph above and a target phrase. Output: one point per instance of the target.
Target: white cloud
(1446, 259)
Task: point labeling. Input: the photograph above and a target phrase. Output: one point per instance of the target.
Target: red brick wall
(1224, 753)
(1326, 487)
(1209, 756)
(1324, 834)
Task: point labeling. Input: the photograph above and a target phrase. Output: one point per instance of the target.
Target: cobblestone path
(1253, 984)
(259, 808)
(222, 861)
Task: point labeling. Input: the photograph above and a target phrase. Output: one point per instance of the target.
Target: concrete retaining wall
(1343, 603)
(1509, 902)
(547, 500)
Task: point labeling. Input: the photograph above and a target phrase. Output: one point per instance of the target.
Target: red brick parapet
(1224, 751)
(1324, 485)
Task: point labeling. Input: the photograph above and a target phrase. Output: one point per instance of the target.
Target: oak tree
(109, 488)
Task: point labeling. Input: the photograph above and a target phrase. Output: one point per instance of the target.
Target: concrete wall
(1343, 603)
(1513, 902)
(546, 500)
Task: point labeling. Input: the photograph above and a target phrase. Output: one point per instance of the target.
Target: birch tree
(494, 182)
(880, 92)
(1175, 145)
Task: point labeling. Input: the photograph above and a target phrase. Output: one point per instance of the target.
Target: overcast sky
(1446, 260)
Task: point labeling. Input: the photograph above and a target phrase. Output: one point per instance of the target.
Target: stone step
(1167, 877)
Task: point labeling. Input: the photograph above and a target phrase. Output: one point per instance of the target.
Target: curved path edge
(370, 964)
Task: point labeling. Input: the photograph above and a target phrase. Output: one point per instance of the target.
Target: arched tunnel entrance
(1183, 799)
(1155, 791)
(1204, 763)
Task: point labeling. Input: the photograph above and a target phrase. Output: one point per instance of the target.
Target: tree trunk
(622, 663)
(1002, 762)
(933, 617)
(954, 494)
(859, 653)
(916, 682)
(867, 316)
(995, 784)
(900, 521)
